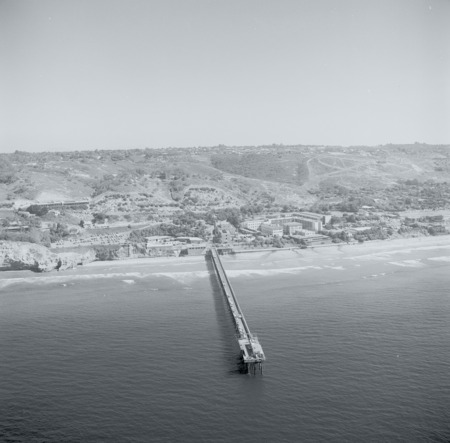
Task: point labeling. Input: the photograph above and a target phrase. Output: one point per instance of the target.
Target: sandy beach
(405, 253)
(324, 251)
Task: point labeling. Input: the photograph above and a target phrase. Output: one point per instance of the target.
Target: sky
(111, 74)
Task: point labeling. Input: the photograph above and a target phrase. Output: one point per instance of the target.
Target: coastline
(372, 246)
(146, 260)
(369, 246)
(399, 252)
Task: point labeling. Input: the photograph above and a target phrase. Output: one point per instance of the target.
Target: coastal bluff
(38, 258)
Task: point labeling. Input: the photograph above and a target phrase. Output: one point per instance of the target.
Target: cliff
(37, 258)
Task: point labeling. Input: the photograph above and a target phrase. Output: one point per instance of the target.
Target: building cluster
(300, 223)
(165, 245)
(303, 228)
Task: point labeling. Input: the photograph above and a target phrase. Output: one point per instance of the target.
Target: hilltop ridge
(217, 176)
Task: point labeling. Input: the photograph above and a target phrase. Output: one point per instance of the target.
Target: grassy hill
(201, 178)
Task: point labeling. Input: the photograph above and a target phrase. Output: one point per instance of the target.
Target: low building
(190, 240)
(162, 250)
(162, 246)
(254, 225)
(15, 228)
(225, 250)
(158, 240)
(317, 239)
(272, 230)
(63, 204)
(280, 220)
(197, 249)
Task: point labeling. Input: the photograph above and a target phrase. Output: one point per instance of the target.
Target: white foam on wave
(268, 272)
(374, 275)
(408, 263)
(182, 277)
(444, 258)
(384, 255)
(62, 279)
(374, 256)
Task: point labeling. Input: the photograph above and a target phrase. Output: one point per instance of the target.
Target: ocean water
(357, 347)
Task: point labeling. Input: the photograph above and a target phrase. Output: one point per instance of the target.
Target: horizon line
(220, 145)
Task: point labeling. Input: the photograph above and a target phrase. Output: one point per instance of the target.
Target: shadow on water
(232, 357)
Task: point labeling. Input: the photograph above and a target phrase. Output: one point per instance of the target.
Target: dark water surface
(359, 353)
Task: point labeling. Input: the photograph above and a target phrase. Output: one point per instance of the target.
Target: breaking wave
(408, 263)
(445, 258)
(269, 272)
(125, 276)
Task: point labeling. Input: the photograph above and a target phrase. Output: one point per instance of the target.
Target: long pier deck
(252, 352)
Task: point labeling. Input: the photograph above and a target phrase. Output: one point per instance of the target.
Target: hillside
(141, 181)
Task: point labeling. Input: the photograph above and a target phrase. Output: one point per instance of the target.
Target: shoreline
(410, 253)
(369, 246)
(145, 260)
(256, 261)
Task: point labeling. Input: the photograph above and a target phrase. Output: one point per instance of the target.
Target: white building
(252, 224)
(292, 228)
(272, 230)
(309, 220)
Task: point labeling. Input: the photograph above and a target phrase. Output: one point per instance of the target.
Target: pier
(252, 352)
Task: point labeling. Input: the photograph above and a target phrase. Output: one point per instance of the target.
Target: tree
(234, 217)
(58, 231)
(431, 230)
(217, 235)
(99, 218)
(278, 242)
(103, 253)
(335, 220)
(351, 218)
(37, 210)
